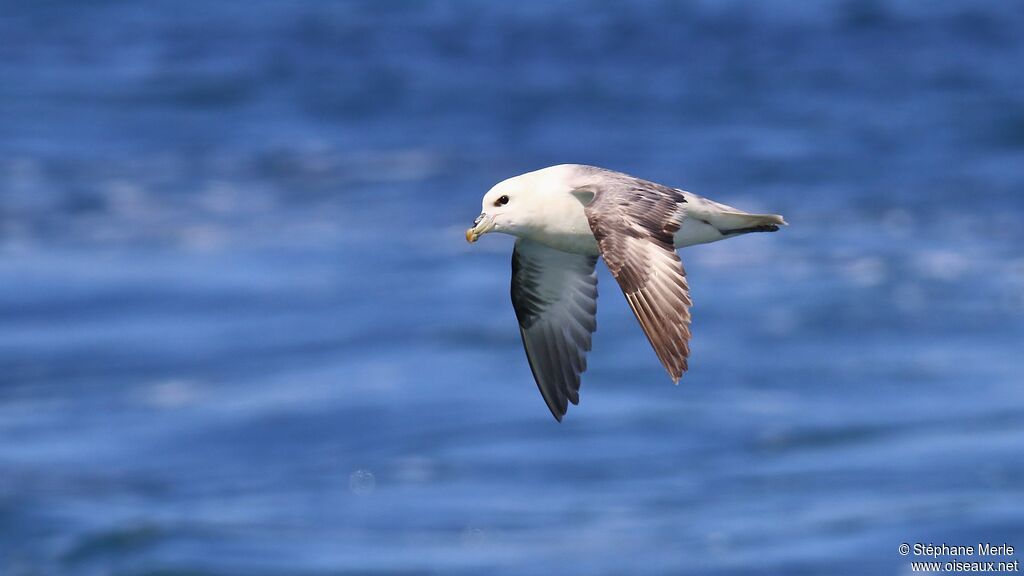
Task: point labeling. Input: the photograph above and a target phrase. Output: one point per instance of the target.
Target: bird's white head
(523, 203)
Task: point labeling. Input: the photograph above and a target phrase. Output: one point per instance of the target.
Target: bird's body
(566, 216)
(563, 224)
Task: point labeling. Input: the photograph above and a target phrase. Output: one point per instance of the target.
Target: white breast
(564, 226)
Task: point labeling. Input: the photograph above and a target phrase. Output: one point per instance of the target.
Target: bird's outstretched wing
(634, 221)
(554, 294)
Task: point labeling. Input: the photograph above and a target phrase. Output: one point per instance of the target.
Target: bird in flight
(564, 218)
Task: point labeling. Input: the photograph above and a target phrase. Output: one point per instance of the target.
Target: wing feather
(634, 222)
(554, 294)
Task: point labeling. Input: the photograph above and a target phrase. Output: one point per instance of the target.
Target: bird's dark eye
(502, 201)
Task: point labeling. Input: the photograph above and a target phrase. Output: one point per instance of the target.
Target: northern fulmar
(564, 217)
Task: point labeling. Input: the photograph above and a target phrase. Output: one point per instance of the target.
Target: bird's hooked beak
(482, 225)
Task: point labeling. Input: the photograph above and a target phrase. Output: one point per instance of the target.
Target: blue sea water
(241, 331)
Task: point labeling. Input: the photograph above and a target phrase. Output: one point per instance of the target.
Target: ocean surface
(241, 332)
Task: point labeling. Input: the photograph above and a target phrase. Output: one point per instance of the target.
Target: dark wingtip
(676, 373)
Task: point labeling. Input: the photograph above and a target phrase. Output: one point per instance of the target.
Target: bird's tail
(730, 222)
